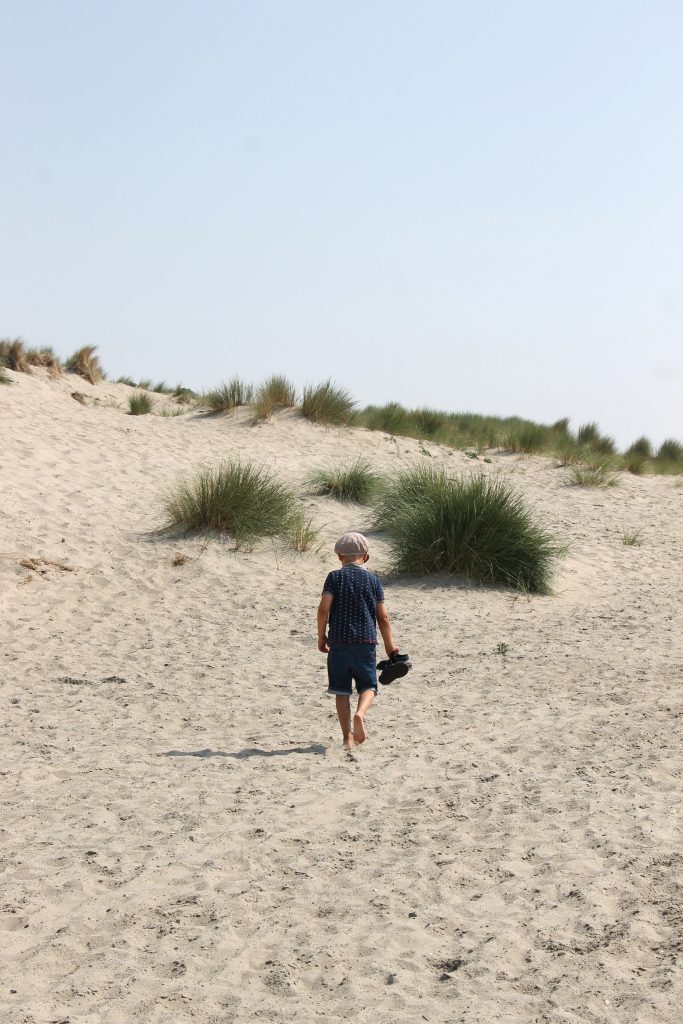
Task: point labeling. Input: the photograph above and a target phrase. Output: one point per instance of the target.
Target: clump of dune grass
(632, 538)
(301, 532)
(589, 436)
(391, 418)
(670, 450)
(477, 527)
(46, 358)
(464, 430)
(275, 393)
(642, 446)
(229, 395)
(328, 403)
(353, 481)
(13, 355)
(594, 471)
(528, 438)
(145, 384)
(139, 404)
(429, 422)
(126, 380)
(185, 395)
(566, 452)
(4, 379)
(634, 463)
(245, 500)
(86, 364)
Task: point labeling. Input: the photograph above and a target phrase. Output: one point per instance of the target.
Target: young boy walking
(353, 604)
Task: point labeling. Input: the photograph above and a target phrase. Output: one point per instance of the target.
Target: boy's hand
(323, 645)
(390, 649)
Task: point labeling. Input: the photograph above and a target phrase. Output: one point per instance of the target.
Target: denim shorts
(346, 662)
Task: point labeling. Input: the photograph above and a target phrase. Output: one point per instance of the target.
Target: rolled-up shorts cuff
(349, 693)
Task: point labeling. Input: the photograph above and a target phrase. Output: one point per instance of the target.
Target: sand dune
(182, 838)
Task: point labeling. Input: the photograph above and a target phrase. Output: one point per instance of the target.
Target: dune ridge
(183, 839)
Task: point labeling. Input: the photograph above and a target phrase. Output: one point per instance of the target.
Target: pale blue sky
(476, 206)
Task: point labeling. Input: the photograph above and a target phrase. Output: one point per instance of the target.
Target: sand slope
(182, 838)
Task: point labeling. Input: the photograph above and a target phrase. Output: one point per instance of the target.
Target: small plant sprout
(302, 533)
(502, 649)
(632, 538)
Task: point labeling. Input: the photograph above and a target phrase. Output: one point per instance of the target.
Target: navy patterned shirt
(353, 615)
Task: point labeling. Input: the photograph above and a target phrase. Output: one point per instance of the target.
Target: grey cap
(351, 544)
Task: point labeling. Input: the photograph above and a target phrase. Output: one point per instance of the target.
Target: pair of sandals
(394, 667)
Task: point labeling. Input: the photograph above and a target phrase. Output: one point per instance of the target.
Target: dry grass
(41, 565)
(179, 559)
(79, 397)
(86, 364)
(13, 355)
(46, 358)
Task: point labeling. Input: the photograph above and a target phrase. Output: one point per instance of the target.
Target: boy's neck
(352, 561)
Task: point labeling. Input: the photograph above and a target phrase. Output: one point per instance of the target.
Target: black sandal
(394, 667)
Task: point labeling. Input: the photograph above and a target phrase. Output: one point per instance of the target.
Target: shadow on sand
(313, 748)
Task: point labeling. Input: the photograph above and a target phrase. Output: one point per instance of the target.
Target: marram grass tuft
(353, 481)
(477, 527)
(139, 404)
(245, 500)
(328, 403)
(86, 364)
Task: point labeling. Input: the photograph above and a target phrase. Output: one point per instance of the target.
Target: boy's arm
(323, 614)
(385, 629)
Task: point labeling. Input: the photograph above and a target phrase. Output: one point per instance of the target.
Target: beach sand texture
(182, 838)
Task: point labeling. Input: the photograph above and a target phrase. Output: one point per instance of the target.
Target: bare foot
(358, 728)
(349, 742)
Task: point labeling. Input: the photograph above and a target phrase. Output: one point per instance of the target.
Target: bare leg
(364, 702)
(344, 716)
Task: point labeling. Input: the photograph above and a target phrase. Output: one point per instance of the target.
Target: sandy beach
(182, 837)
